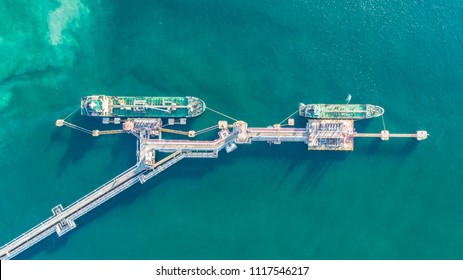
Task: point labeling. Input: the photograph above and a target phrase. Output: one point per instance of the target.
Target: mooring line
(289, 116)
(217, 112)
(71, 113)
(384, 124)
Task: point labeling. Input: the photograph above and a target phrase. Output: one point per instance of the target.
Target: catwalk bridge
(317, 135)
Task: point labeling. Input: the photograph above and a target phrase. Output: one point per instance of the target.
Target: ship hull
(141, 106)
(340, 111)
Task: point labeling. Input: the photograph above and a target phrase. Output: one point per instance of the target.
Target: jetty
(319, 134)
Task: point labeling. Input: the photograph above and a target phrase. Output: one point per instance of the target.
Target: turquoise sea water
(254, 60)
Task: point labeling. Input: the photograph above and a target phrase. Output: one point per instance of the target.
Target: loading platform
(317, 135)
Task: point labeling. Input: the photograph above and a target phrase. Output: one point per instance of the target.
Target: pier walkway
(385, 135)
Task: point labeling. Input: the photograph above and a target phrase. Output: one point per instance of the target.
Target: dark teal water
(254, 60)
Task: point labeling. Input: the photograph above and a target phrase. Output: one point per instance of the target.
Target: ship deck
(142, 106)
(341, 111)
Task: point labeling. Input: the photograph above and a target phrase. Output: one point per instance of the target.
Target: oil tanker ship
(340, 111)
(141, 106)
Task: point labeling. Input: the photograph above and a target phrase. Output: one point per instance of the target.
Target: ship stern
(83, 106)
(92, 105)
(302, 107)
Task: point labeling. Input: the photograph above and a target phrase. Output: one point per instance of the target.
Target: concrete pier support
(384, 135)
(59, 122)
(65, 225)
(421, 135)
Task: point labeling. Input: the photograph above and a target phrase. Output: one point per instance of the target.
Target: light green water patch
(5, 97)
(36, 38)
(64, 17)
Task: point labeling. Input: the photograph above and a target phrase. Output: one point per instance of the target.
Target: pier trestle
(318, 135)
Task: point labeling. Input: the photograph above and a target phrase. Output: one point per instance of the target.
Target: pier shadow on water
(393, 146)
(315, 163)
(375, 146)
(79, 143)
(125, 147)
(318, 165)
(77, 146)
(48, 245)
(55, 136)
(409, 147)
(288, 156)
(363, 125)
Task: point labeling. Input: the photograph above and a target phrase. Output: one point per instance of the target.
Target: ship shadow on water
(363, 125)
